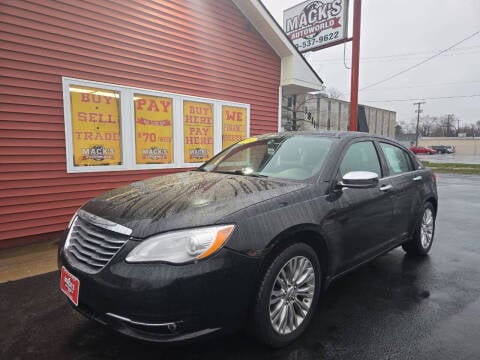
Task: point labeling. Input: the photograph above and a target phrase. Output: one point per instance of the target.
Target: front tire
(288, 296)
(422, 239)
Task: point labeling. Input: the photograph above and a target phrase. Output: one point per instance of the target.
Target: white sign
(316, 23)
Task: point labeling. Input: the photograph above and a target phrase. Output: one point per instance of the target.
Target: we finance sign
(316, 23)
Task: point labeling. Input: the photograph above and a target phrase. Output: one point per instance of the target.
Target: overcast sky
(397, 34)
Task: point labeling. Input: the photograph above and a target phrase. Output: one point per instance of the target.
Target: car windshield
(295, 158)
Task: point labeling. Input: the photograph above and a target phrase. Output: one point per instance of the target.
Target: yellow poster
(198, 131)
(153, 129)
(234, 125)
(95, 126)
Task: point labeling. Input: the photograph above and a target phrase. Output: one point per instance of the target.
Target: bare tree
(447, 123)
(408, 127)
(398, 130)
(334, 93)
(427, 123)
(297, 111)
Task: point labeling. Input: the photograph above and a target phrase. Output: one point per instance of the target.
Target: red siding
(203, 48)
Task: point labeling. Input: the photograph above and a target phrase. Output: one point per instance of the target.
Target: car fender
(275, 223)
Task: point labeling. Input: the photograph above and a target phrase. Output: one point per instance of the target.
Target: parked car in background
(440, 149)
(450, 149)
(443, 149)
(422, 150)
(253, 236)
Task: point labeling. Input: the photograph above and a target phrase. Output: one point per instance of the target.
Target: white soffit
(297, 76)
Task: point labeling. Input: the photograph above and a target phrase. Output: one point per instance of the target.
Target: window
(153, 129)
(397, 159)
(96, 126)
(111, 127)
(296, 157)
(361, 156)
(198, 131)
(234, 125)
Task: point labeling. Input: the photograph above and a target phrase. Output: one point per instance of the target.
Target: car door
(405, 182)
(359, 224)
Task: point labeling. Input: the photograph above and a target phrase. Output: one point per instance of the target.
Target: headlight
(182, 246)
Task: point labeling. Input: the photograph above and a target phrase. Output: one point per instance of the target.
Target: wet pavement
(395, 307)
(451, 158)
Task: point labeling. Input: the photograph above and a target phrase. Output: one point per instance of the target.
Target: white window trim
(127, 113)
(280, 95)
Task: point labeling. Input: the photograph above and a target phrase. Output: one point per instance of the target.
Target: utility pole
(448, 125)
(418, 111)
(357, 16)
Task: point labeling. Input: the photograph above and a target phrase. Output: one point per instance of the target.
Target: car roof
(329, 134)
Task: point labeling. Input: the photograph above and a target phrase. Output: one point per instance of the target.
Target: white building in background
(318, 113)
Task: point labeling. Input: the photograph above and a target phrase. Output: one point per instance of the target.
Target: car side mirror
(359, 180)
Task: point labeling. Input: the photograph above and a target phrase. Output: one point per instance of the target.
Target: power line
(396, 56)
(396, 60)
(422, 62)
(425, 85)
(425, 98)
(416, 86)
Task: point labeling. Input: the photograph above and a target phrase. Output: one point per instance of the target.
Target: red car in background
(422, 150)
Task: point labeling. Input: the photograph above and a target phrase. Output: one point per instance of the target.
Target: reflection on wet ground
(395, 307)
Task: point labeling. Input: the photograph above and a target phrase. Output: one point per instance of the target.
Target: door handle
(385, 187)
(417, 178)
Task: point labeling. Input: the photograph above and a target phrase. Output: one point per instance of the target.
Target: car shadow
(349, 312)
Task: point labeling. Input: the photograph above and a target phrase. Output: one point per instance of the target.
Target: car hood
(183, 200)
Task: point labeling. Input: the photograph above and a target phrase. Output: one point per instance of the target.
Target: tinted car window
(397, 159)
(361, 156)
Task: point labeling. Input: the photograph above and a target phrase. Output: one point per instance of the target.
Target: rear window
(398, 160)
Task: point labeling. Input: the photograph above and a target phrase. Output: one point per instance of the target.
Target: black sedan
(252, 237)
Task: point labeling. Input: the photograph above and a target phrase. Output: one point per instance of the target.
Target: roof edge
(266, 25)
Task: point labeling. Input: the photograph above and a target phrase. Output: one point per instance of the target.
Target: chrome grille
(90, 246)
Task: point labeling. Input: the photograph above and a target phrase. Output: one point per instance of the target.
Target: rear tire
(422, 238)
(287, 296)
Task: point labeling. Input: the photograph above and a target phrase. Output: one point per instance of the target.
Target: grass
(473, 169)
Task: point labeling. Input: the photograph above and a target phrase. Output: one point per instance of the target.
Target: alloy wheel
(426, 231)
(292, 295)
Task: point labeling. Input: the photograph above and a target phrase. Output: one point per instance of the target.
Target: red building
(63, 63)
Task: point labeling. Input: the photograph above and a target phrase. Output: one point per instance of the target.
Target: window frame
(127, 126)
(385, 159)
(356, 141)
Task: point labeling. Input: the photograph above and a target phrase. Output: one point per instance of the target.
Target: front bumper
(166, 303)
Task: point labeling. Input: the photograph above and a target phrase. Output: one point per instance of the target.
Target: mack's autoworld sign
(316, 23)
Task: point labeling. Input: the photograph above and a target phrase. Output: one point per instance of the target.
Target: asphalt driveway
(396, 307)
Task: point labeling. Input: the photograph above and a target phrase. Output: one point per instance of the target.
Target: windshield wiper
(258, 175)
(240, 172)
(236, 172)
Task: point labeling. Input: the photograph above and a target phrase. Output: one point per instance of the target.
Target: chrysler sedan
(250, 238)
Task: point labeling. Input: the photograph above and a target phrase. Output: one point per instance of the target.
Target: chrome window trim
(104, 223)
(130, 321)
(398, 175)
